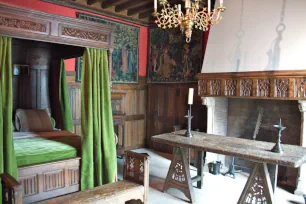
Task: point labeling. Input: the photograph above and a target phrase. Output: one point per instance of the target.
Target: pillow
(33, 120)
(53, 122)
(13, 126)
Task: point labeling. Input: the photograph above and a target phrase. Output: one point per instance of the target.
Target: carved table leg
(258, 188)
(200, 168)
(179, 175)
(273, 171)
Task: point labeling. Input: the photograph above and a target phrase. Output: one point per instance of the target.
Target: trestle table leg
(179, 175)
(258, 188)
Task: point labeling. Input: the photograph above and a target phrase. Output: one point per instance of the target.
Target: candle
(187, 3)
(190, 96)
(209, 6)
(155, 6)
(179, 10)
(221, 3)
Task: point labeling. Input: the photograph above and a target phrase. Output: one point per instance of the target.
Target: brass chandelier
(172, 17)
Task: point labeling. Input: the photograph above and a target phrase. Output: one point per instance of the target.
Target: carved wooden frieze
(246, 87)
(263, 87)
(202, 90)
(54, 180)
(12, 22)
(84, 34)
(215, 87)
(74, 176)
(281, 88)
(281, 85)
(34, 25)
(300, 88)
(30, 185)
(230, 87)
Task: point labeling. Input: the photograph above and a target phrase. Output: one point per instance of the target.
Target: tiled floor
(216, 189)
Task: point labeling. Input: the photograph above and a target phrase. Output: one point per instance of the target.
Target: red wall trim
(70, 12)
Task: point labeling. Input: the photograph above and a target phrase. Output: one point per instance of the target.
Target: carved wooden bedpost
(110, 66)
(301, 181)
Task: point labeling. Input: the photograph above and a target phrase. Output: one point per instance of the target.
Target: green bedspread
(39, 150)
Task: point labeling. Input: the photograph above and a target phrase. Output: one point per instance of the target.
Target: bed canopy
(98, 145)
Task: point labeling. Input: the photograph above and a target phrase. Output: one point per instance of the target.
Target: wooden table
(261, 182)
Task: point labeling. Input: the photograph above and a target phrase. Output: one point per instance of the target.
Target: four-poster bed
(56, 177)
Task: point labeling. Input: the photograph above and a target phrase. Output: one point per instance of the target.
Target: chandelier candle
(189, 117)
(195, 17)
(155, 6)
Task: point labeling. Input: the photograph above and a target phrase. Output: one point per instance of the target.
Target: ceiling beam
(202, 3)
(91, 2)
(108, 3)
(140, 9)
(126, 6)
(146, 14)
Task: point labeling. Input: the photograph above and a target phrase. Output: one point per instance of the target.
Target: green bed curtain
(99, 163)
(7, 153)
(64, 99)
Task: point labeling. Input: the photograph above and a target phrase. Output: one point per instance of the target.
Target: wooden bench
(135, 186)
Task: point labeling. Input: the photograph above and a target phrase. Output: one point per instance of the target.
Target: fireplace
(233, 102)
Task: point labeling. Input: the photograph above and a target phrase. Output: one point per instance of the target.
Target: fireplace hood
(278, 85)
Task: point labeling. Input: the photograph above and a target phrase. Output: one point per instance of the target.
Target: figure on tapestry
(171, 58)
(125, 54)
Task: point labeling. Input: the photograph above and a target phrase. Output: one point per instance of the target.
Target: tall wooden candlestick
(189, 118)
(278, 146)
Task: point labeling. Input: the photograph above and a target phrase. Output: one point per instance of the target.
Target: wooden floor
(216, 189)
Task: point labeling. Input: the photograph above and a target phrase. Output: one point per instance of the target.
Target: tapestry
(125, 53)
(171, 59)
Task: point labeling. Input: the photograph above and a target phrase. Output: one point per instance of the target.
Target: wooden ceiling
(137, 11)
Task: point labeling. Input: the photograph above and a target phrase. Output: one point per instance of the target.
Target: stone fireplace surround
(230, 101)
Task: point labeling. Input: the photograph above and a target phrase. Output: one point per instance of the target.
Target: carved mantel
(279, 85)
(275, 85)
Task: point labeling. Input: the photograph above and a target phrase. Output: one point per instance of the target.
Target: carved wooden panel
(167, 106)
(134, 168)
(74, 91)
(263, 87)
(132, 102)
(215, 87)
(54, 180)
(300, 87)
(178, 175)
(47, 180)
(13, 22)
(84, 34)
(281, 88)
(34, 25)
(230, 87)
(32, 91)
(281, 85)
(246, 87)
(74, 176)
(258, 188)
(202, 84)
(29, 184)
